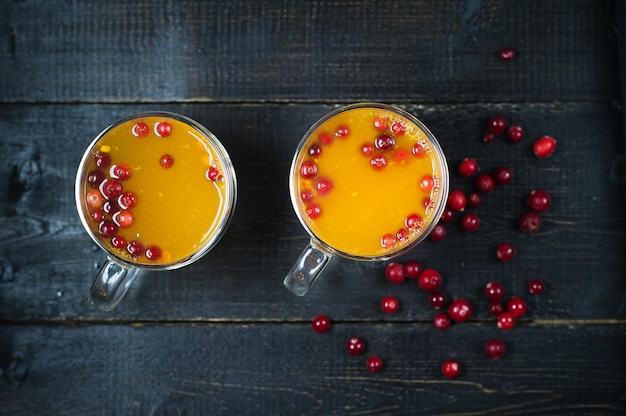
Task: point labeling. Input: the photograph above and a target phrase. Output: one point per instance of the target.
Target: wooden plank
(307, 51)
(288, 369)
(48, 261)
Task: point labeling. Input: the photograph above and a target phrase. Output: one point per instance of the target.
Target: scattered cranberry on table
(395, 273)
(502, 175)
(390, 304)
(442, 321)
(544, 147)
(515, 134)
(468, 167)
(457, 200)
(494, 290)
(494, 348)
(470, 221)
(506, 321)
(505, 251)
(506, 54)
(484, 183)
(355, 346)
(374, 364)
(412, 269)
(497, 124)
(516, 307)
(438, 233)
(451, 368)
(460, 310)
(536, 286)
(321, 324)
(538, 200)
(437, 299)
(530, 222)
(429, 280)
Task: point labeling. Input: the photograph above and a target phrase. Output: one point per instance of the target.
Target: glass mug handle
(111, 285)
(306, 270)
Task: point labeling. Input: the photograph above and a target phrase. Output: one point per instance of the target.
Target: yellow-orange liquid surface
(179, 206)
(354, 204)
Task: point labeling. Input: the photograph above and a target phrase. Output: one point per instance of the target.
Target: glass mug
(368, 182)
(155, 191)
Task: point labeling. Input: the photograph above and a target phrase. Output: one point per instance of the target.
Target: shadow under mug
(155, 191)
(368, 182)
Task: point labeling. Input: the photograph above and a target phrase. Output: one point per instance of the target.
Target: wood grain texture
(168, 50)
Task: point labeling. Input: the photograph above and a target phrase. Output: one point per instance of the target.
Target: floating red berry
(378, 162)
(94, 198)
(474, 199)
(140, 129)
(110, 188)
(127, 200)
(427, 183)
(313, 210)
(530, 222)
(497, 124)
(505, 251)
(451, 368)
(429, 280)
(442, 321)
(437, 299)
(320, 324)
(516, 307)
(95, 178)
(544, 147)
(153, 253)
(413, 221)
(134, 248)
(97, 215)
(395, 273)
(374, 364)
(342, 132)
(307, 195)
(438, 233)
(380, 124)
(494, 290)
(418, 150)
(538, 200)
(494, 348)
(502, 175)
(367, 149)
(315, 150)
(506, 54)
(457, 200)
(124, 219)
(506, 321)
(102, 160)
(390, 304)
(515, 134)
(412, 269)
(120, 171)
(308, 169)
(388, 240)
(118, 241)
(397, 128)
(111, 207)
(166, 161)
(325, 138)
(460, 310)
(484, 183)
(355, 346)
(163, 128)
(323, 186)
(470, 221)
(384, 142)
(213, 173)
(536, 286)
(468, 167)
(107, 228)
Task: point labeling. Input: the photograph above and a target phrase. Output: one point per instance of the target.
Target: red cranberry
(402, 234)
(97, 215)
(451, 368)
(127, 200)
(456, 200)
(166, 161)
(124, 219)
(426, 202)
(474, 199)
(315, 150)
(536, 286)
(95, 178)
(107, 228)
(538, 200)
(427, 183)
(505, 251)
(468, 167)
(374, 364)
(110, 207)
(321, 324)
(395, 273)
(163, 129)
(460, 310)
(390, 304)
(110, 188)
(120, 171)
(442, 321)
(342, 131)
(470, 222)
(355, 346)
(488, 137)
(378, 162)
(437, 299)
(506, 54)
(515, 133)
(313, 210)
(153, 253)
(102, 160)
(544, 147)
(323, 186)
(530, 222)
(134, 248)
(384, 142)
(417, 150)
(397, 128)
(484, 183)
(118, 241)
(495, 308)
(447, 215)
(516, 307)
(306, 195)
(367, 149)
(496, 124)
(438, 233)
(140, 129)
(308, 169)
(506, 321)
(213, 174)
(94, 198)
(429, 280)
(388, 240)
(494, 290)
(325, 138)
(380, 124)
(412, 269)
(413, 221)
(494, 348)
(502, 175)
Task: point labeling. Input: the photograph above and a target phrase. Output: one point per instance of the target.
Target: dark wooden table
(223, 336)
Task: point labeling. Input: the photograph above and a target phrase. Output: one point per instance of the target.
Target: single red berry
(342, 131)
(451, 368)
(374, 364)
(429, 280)
(442, 321)
(488, 137)
(413, 221)
(367, 149)
(484, 183)
(395, 273)
(447, 215)
(94, 198)
(495, 308)
(134, 248)
(95, 178)
(315, 150)
(530, 222)
(536, 286)
(384, 142)
(516, 307)
(497, 124)
(120, 171)
(515, 133)
(437, 299)
(417, 150)
(380, 124)
(538, 200)
(470, 222)
(494, 290)
(321, 324)
(502, 175)
(355, 346)
(118, 241)
(412, 269)
(97, 215)
(212, 174)
(111, 207)
(102, 159)
(460, 310)
(323, 186)
(313, 210)
(506, 321)
(153, 253)
(140, 129)
(426, 202)
(388, 240)
(166, 161)
(307, 195)
(506, 54)
(308, 169)
(378, 162)
(107, 228)
(473, 199)
(505, 251)
(124, 219)
(163, 128)
(438, 233)
(397, 128)
(390, 304)
(402, 234)
(494, 348)
(544, 147)
(111, 188)
(468, 167)
(127, 200)
(427, 183)
(325, 138)
(457, 200)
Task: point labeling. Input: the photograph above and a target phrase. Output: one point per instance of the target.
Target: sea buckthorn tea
(368, 182)
(156, 191)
